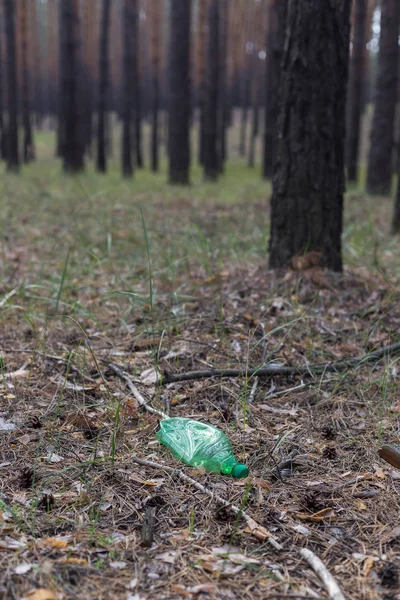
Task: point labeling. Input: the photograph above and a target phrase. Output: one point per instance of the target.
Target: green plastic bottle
(200, 445)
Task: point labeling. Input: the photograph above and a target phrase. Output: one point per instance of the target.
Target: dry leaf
(257, 530)
(391, 535)
(361, 505)
(379, 473)
(40, 594)
(367, 566)
(56, 542)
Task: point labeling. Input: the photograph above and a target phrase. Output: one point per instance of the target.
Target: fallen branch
(320, 569)
(137, 395)
(269, 371)
(257, 530)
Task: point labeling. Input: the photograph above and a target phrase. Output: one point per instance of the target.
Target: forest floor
(98, 271)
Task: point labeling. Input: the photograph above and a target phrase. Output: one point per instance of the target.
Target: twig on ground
(257, 530)
(330, 367)
(320, 569)
(132, 387)
(253, 390)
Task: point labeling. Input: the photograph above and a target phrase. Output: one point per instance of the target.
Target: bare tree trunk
(72, 146)
(104, 74)
(179, 92)
(275, 37)
(130, 38)
(379, 176)
(308, 184)
(356, 83)
(156, 16)
(29, 152)
(12, 105)
(211, 158)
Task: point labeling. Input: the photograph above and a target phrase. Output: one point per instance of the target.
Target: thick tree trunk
(379, 176)
(29, 153)
(179, 92)
(3, 139)
(155, 80)
(104, 75)
(222, 83)
(275, 36)
(356, 83)
(201, 65)
(211, 158)
(129, 75)
(308, 184)
(12, 104)
(72, 146)
(396, 213)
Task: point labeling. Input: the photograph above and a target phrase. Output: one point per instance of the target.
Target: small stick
(257, 530)
(141, 401)
(271, 370)
(253, 390)
(320, 569)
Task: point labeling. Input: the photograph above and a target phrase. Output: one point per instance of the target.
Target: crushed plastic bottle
(200, 445)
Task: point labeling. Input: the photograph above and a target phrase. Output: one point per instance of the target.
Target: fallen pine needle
(260, 532)
(320, 569)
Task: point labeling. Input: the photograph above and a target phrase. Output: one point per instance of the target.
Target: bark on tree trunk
(379, 176)
(72, 141)
(155, 88)
(12, 104)
(308, 182)
(129, 75)
(396, 213)
(179, 92)
(3, 140)
(275, 36)
(210, 158)
(29, 153)
(356, 84)
(201, 57)
(104, 76)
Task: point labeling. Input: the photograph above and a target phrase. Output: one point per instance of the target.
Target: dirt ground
(78, 517)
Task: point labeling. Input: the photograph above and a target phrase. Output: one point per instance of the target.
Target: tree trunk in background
(222, 83)
(138, 95)
(104, 75)
(201, 57)
(179, 92)
(156, 14)
(379, 176)
(89, 15)
(12, 104)
(3, 138)
(275, 39)
(396, 213)
(26, 114)
(129, 74)
(308, 184)
(356, 83)
(211, 158)
(72, 141)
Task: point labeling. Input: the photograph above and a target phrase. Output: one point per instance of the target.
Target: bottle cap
(240, 471)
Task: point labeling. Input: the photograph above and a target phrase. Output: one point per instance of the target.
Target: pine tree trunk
(155, 88)
(179, 92)
(396, 212)
(308, 183)
(12, 105)
(211, 158)
(104, 76)
(130, 38)
(379, 176)
(3, 140)
(71, 132)
(356, 83)
(29, 153)
(201, 57)
(222, 84)
(275, 36)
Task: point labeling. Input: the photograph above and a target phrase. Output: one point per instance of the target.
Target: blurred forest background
(152, 154)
